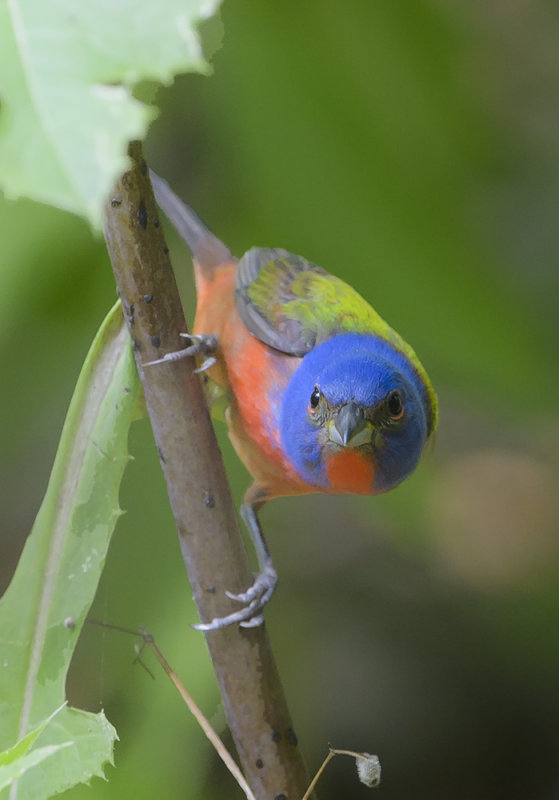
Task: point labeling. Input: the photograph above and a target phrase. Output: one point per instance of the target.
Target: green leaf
(91, 737)
(45, 605)
(67, 71)
(12, 772)
(12, 754)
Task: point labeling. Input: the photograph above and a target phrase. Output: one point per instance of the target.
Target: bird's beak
(350, 427)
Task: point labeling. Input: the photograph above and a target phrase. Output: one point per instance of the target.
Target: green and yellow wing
(292, 305)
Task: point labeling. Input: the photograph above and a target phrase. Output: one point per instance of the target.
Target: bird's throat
(349, 472)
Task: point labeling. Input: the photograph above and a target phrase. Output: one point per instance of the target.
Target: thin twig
(321, 769)
(149, 641)
(222, 751)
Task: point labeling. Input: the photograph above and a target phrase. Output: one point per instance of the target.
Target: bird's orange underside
(349, 472)
(253, 373)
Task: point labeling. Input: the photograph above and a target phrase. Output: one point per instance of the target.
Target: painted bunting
(322, 395)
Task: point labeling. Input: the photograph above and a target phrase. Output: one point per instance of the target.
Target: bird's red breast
(255, 376)
(349, 472)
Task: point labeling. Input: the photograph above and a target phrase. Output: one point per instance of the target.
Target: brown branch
(198, 490)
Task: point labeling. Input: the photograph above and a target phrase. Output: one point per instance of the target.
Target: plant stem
(198, 490)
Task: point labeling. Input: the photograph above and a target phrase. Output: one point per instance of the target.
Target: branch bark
(198, 490)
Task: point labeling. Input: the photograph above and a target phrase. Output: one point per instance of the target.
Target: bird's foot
(203, 346)
(254, 600)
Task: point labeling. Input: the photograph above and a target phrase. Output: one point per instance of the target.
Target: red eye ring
(394, 405)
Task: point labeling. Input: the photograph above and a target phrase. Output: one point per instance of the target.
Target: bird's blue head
(355, 416)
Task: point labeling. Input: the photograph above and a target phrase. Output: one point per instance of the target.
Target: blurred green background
(411, 148)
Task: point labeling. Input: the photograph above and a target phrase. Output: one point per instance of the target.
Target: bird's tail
(206, 248)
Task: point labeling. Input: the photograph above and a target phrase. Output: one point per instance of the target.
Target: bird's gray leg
(203, 345)
(257, 595)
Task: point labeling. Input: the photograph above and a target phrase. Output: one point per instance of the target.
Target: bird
(321, 394)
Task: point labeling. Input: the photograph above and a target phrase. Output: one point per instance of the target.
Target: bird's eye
(315, 397)
(394, 405)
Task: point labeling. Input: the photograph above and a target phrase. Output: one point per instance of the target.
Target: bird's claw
(203, 345)
(254, 600)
